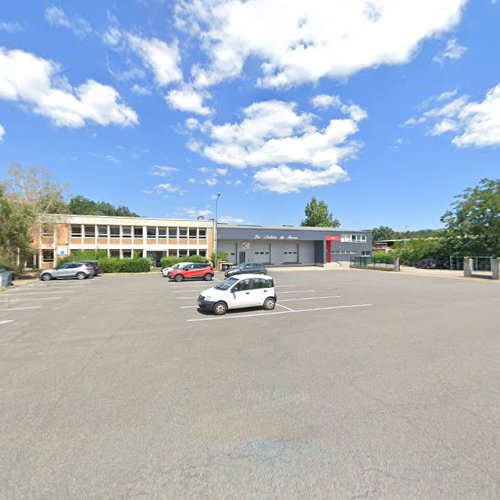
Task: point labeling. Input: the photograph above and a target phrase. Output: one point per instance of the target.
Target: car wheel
(207, 277)
(269, 303)
(80, 276)
(220, 308)
(179, 278)
(46, 277)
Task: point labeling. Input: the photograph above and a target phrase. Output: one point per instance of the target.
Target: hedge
(172, 260)
(382, 258)
(115, 265)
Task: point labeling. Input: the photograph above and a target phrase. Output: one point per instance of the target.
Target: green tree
(473, 223)
(382, 233)
(15, 237)
(317, 215)
(80, 205)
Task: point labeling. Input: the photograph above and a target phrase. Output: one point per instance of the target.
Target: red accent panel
(333, 238)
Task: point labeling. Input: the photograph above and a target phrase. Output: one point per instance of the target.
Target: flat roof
(297, 228)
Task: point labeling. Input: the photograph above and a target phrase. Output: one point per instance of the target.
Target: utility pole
(215, 231)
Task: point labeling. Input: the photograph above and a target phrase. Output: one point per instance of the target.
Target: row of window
(79, 231)
(48, 255)
(353, 238)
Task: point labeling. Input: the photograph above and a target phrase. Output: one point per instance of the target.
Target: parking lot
(359, 384)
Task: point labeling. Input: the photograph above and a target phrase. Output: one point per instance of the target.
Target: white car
(236, 292)
(180, 265)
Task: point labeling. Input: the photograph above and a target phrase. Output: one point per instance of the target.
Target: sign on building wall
(245, 245)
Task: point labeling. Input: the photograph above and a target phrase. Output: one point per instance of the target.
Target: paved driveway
(361, 384)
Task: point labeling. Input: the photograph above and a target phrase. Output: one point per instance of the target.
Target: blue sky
(383, 109)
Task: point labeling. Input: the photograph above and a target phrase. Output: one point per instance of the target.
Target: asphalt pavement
(360, 384)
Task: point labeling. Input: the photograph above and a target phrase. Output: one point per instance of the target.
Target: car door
(61, 271)
(241, 295)
(198, 270)
(189, 271)
(260, 291)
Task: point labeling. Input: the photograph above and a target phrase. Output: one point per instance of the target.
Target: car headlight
(208, 298)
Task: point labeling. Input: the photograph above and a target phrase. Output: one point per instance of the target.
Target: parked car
(180, 265)
(95, 266)
(236, 292)
(192, 271)
(69, 270)
(247, 268)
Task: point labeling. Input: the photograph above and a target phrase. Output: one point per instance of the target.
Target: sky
(385, 109)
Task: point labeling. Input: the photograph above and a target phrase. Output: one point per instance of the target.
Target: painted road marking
(29, 294)
(188, 307)
(285, 307)
(8, 301)
(311, 298)
(5, 321)
(297, 291)
(237, 316)
(20, 308)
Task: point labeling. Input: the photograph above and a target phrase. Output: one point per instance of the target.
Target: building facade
(283, 245)
(122, 237)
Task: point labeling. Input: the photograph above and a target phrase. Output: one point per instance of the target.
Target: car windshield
(227, 284)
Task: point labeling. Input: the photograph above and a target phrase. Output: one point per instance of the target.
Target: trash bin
(5, 278)
(224, 266)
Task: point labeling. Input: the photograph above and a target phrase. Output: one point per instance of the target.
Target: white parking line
(20, 308)
(184, 291)
(8, 301)
(284, 307)
(297, 291)
(28, 294)
(188, 307)
(311, 298)
(185, 298)
(237, 316)
(5, 321)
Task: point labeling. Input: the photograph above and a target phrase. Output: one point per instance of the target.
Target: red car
(192, 271)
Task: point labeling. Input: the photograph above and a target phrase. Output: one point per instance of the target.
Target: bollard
(396, 264)
(495, 268)
(468, 267)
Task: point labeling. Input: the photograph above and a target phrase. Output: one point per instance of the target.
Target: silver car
(78, 270)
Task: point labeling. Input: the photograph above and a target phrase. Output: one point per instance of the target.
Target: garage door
(258, 252)
(286, 253)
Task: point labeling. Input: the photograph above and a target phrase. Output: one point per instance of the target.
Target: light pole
(215, 232)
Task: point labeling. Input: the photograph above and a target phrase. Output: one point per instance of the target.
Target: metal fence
(479, 263)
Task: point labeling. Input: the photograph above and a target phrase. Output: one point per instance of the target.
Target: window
(242, 286)
(192, 252)
(138, 232)
(102, 231)
(262, 283)
(151, 233)
(89, 231)
(183, 233)
(202, 233)
(76, 231)
(114, 253)
(126, 231)
(127, 254)
(366, 253)
(203, 253)
(172, 232)
(162, 232)
(182, 253)
(192, 233)
(114, 231)
(48, 255)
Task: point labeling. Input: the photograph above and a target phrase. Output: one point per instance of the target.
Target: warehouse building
(288, 245)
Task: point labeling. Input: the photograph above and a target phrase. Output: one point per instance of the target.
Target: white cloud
(284, 179)
(305, 40)
(285, 144)
(11, 27)
(140, 90)
(221, 171)
(163, 59)
(473, 124)
(204, 170)
(189, 100)
(195, 212)
(324, 101)
(2, 132)
(55, 16)
(162, 170)
(112, 159)
(452, 52)
(168, 188)
(229, 219)
(33, 80)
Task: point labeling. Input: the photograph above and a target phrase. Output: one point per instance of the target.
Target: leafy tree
(473, 223)
(410, 252)
(382, 233)
(79, 205)
(317, 215)
(420, 233)
(15, 238)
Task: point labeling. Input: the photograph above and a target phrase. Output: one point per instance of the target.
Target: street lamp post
(215, 232)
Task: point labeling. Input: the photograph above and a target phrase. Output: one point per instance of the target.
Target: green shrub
(109, 265)
(382, 258)
(172, 260)
(115, 265)
(77, 255)
(220, 256)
